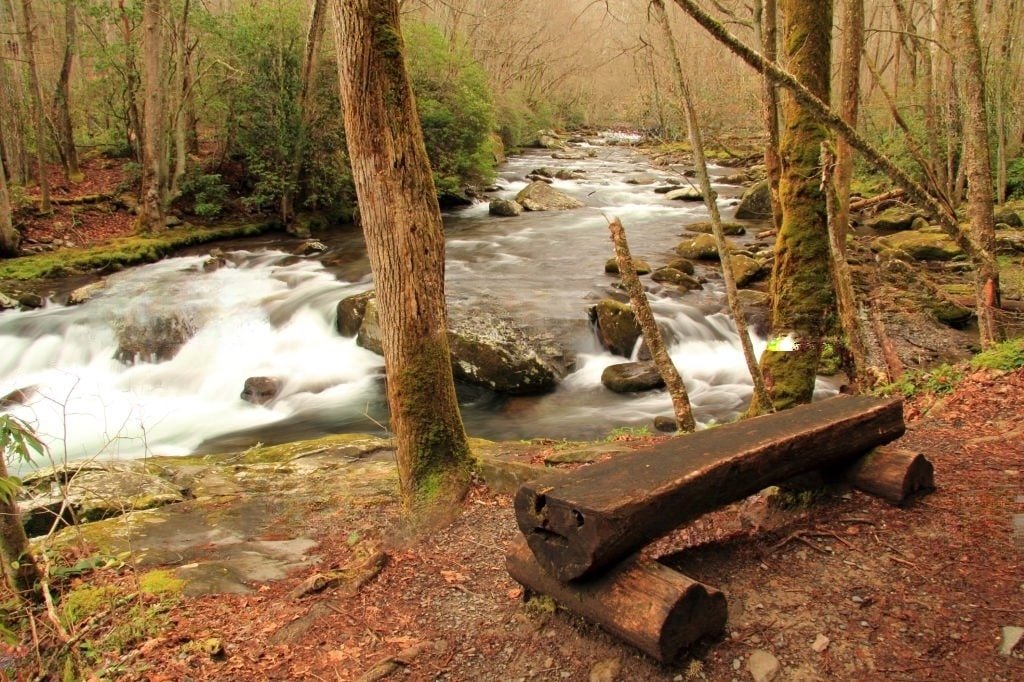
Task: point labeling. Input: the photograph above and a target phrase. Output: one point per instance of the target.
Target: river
(273, 314)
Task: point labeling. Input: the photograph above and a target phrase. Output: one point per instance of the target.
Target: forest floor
(840, 587)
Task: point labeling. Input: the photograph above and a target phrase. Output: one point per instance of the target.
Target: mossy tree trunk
(801, 286)
(978, 165)
(405, 241)
(849, 108)
(766, 23)
(19, 566)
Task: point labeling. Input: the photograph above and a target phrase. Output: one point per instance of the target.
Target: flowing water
(273, 314)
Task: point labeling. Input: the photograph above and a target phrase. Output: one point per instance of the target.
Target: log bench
(581, 531)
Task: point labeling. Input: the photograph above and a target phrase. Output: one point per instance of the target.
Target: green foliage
(938, 381)
(160, 583)
(1015, 179)
(17, 442)
(206, 191)
(454, 105)
(628, 433)
(85, 601)
(1005, 357)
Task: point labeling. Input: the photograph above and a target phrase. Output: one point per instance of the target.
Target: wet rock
(763, 666)
(538, 196)
(505, 208)
(744, 268)
(539, 178)
(893, 220)
(756, 202)
(734, 179)
(215, 261)
(547, 139)
(642, 267)
(665, 189)
(676, 277)
(7, 303)
(641, 179)
(495, 354)
(705, 227)
(544, 172)
(368, 336)
(156, 337)
(457, 198)
(685, 194)
(570, 174)
(682, 264)
(310, 247)
(563, 156)
(617, 328)
(702, 247)
(665, 424)
(260, 390)
(351, 312)
(29, 300)
(632, 377)
(918, 245)
(93, 491)
(86, 293)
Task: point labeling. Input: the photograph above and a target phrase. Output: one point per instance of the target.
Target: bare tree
(849, 107)
(10, 240)
(28, 26)
(65, 131)
(405, 241)
(154, 164)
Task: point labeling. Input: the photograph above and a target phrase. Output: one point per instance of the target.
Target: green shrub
(1015, 179)
(1006, 356)
(207, 191)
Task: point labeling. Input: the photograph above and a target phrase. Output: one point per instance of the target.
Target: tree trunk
(62, 96)
(801, 287)
(766, 24)
(151, 208)
(849, 107)
(182, 57)
(649, 329)
(28, 31)
(401, 222)
(981, 258)
(977, 165)
(14, 546)
(10, 239)
(760, 402)
(134, 133)
(314, 36)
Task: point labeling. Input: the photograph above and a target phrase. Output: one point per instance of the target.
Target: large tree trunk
(183, 53)
(801, 286)
(62, 95)
(405, 241)
(10, 240)
(133, 117)
(767, 23)
(760, 401)
(151, 208)
(28, 42)
(978, 164)
(849, 106)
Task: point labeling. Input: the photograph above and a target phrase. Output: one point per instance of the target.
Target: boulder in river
(570, 174)
(152, 337)
(701, 247)
(918, 245)
(678, 278)
(7, 303)
(682, 264)
(86, 292)
(641, 266)
(538, 196)
(260, 390)
(617, 327)
(504, 208)
(744, 268)
(756, 202)
(705, 227)
(310, 247)
(351, 312)
(544, 172)
(547, 139)
(641, 179)
(631, 377)
(685, 194)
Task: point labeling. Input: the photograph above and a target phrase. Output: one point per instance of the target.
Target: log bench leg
(893, 474)
(656, 609)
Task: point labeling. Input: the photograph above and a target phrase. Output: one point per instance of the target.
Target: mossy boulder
(504, 208)
(685, 194)
(918, 245)
(676, 278)
(701, 247)
(493, 353)
(632, 377)
(368, 335)
(744, 268)
(1009, 218)
(683, 264)
(756, 202)
(351, 312)
(1010, 241)
(641, 266)
(705, 227)
(894, 219)
(92, 491)
(617, 328)
(539, 196)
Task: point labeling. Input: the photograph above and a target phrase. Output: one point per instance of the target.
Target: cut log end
(893, 474)
(656, 609)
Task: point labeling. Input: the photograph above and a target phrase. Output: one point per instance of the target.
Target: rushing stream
(273, 314)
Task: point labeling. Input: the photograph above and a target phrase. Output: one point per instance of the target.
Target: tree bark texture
(10, 239)
(36, 92)
(977, 164)
(769, 29)
(650, 331)
(761, 397)
(151, 208)
(893, 474)
(14, 547)
(849, 107)
(62, 95)
(405, 241)
(656, 609)
(801, 288)
(585, 523)
(983, 259)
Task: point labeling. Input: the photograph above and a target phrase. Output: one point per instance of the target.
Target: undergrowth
(1004, 357)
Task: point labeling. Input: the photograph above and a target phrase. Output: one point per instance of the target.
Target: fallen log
(578, 526)
(871, 202)
(893, 474)
(656, 609)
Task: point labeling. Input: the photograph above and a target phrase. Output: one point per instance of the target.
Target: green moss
(160, 583)
(85, 601)
(1006, 356)
(120, 252)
